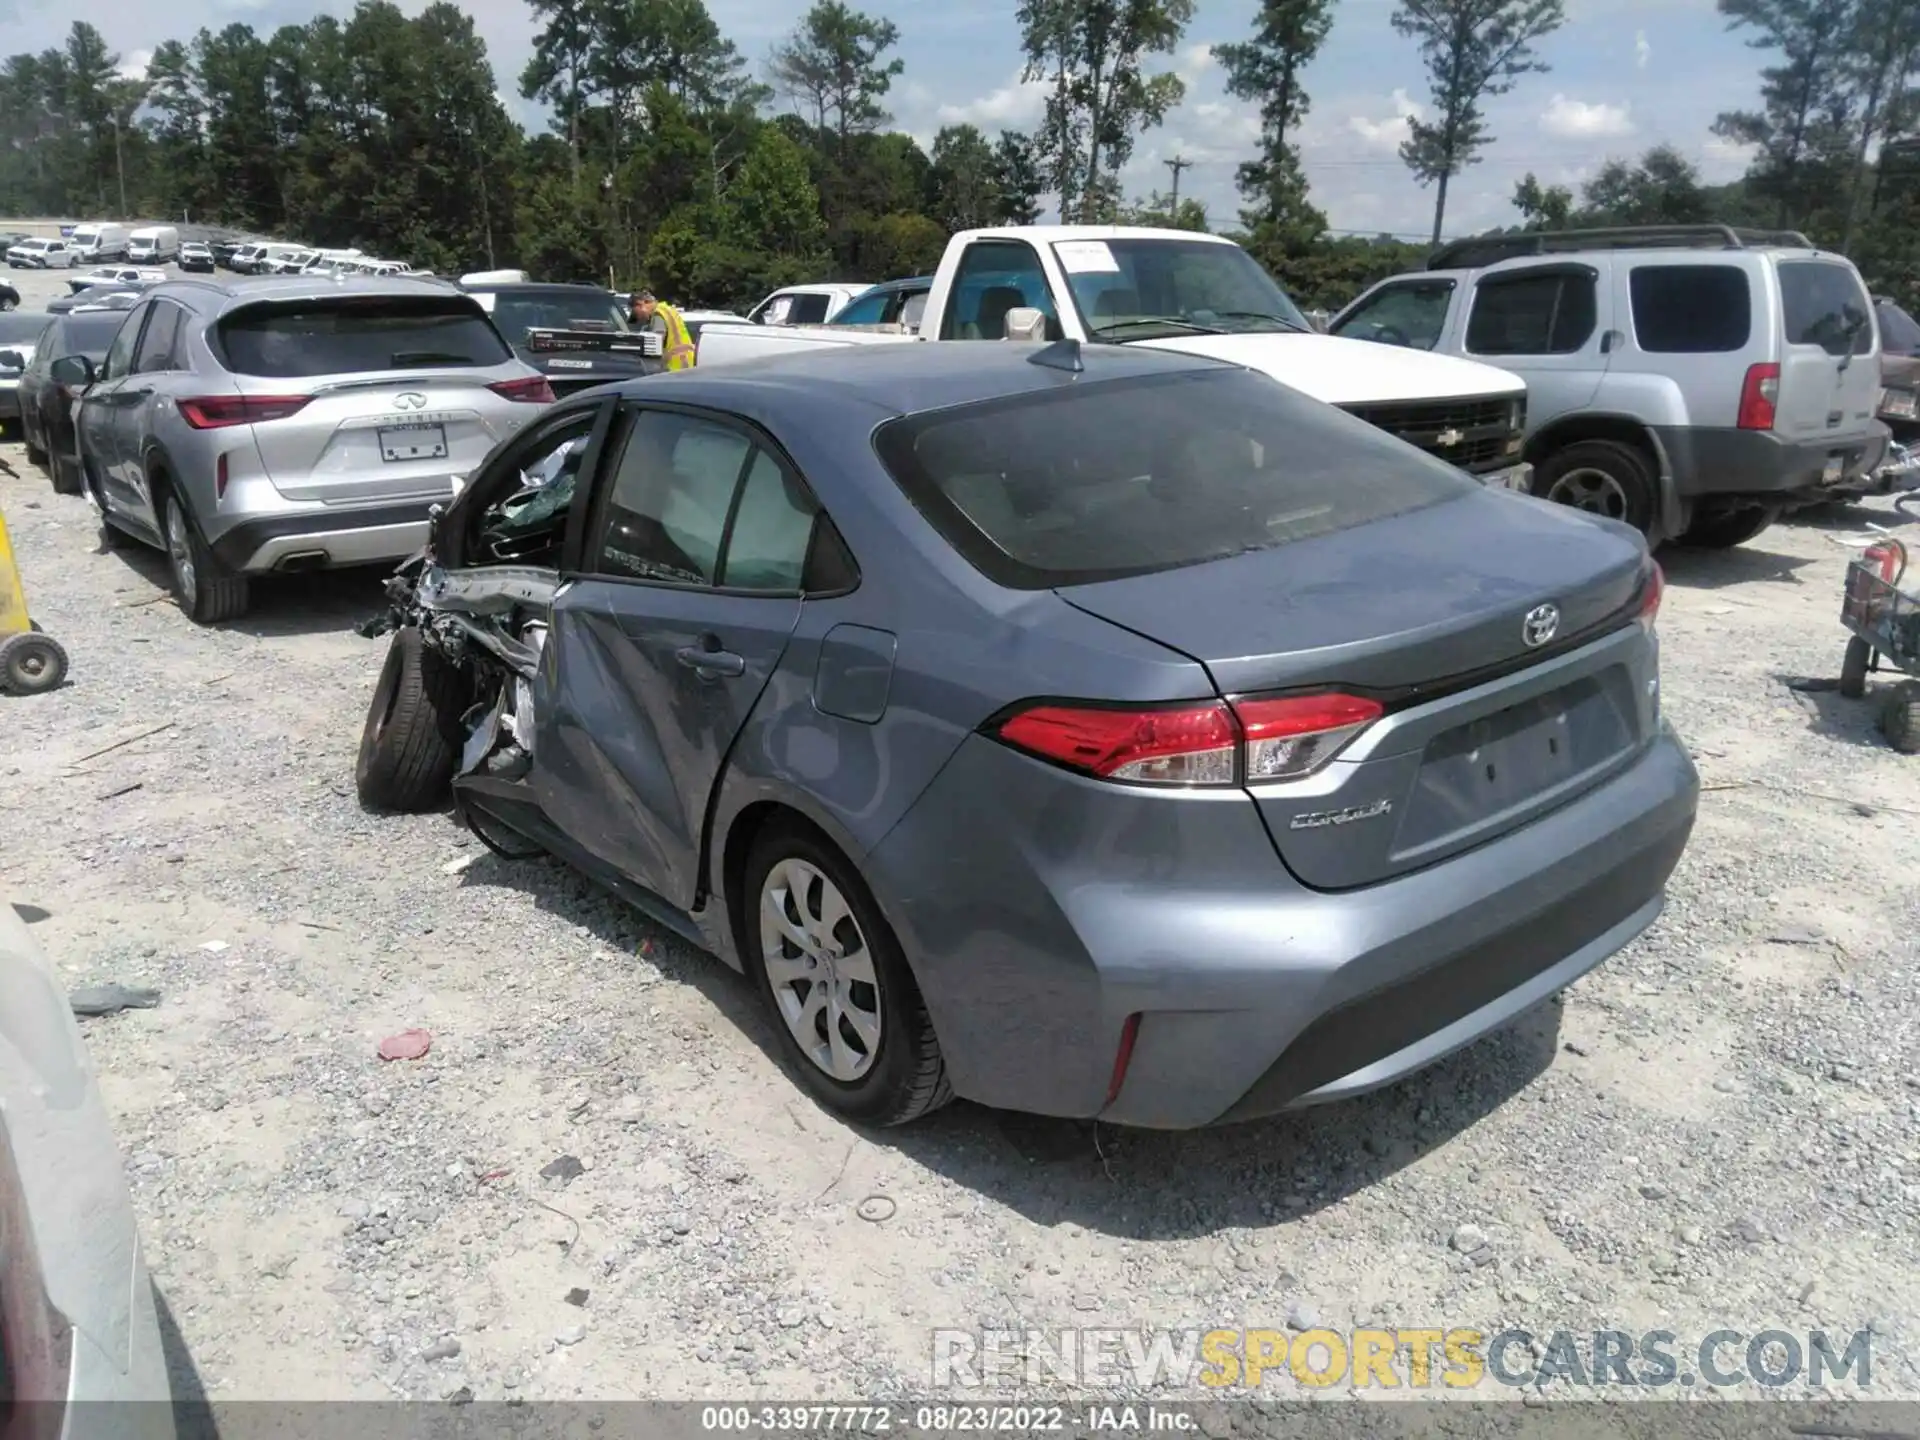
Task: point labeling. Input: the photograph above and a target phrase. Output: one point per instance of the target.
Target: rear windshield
(355, 337)
(516, 314)
(1093, 482)
(1824, 305)
(1690, 309)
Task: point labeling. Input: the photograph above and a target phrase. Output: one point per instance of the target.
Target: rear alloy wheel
(410, 746)
(1725, 528)
(844, 1001)
(1602, 477)
(32, 664)
(208, 592)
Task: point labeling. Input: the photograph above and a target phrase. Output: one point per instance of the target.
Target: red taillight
(1757, 397)
(1651, 597)
(218, 412)
(1193, 745)
(1212, 744)
(534, 390)
(1123, 1057)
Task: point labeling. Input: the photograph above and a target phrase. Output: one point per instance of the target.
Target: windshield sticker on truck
(1086, 257)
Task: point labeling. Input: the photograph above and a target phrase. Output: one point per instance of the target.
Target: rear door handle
(709, 663)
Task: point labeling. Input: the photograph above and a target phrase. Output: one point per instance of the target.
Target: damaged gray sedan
(1098, 732)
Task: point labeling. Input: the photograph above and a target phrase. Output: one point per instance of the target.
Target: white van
(154, 245)
(95, 244)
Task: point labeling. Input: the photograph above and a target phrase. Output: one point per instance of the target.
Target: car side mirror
(12, 360)
(74, 370)
(1026, 323)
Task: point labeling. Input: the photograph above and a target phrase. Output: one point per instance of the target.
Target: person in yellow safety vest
(676, 345)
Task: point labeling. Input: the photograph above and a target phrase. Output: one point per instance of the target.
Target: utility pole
(119, 165)
(1176, 165)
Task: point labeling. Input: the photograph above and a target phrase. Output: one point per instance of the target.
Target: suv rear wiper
(429, 357)
(1172, 320)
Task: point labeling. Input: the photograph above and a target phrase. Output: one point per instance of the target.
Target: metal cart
(1885, 621)
(30, 662)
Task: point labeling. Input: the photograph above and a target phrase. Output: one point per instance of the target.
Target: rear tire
(1900, 718)
(904, 1075)
(410, 746)
(1724, 529)
(1602, 477)
(65, 473)
(208, 592)
(32, 664)
(1853, 668)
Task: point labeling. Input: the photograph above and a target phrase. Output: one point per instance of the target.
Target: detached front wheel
(410, 748)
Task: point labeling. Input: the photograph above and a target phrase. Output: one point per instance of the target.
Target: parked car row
(274, 257)
(94, 244)
(1696, 382)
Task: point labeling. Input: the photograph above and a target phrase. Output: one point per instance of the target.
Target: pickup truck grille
(1476, 432)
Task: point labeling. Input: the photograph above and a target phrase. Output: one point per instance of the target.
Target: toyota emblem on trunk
(412, 400)
(1541, 625)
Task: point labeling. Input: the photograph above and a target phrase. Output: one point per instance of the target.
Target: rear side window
(1549, 313)
(867, 310)
(354, 337)
(1898, 332)
(1823, 304)
(808, 310)
(1690, 309)
(1082, 483)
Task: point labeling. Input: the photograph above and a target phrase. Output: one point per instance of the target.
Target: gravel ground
(599, 1183)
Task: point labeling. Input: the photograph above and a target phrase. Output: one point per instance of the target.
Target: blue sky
(1626, 74)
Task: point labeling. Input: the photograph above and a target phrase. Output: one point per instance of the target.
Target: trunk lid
(1829, 361)
(378, 437)
(1428, 612)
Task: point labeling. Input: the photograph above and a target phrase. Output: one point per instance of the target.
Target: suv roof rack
(1476, 251)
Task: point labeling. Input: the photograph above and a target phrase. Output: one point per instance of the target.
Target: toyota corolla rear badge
(1541, 625)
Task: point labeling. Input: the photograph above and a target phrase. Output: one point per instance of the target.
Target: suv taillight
(1218, 743)
(534, 390)
(1650, 597)
(1758, 395)
(217, 412)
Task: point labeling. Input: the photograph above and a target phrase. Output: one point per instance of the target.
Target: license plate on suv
(413, 442)
(1836, 466)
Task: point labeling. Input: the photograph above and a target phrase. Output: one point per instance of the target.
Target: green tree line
(669, 159)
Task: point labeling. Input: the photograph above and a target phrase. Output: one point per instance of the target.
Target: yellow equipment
(30, 662)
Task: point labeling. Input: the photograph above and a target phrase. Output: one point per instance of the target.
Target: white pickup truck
(1194, 293)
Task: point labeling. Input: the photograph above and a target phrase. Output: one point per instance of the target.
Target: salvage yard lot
(1717, 1129)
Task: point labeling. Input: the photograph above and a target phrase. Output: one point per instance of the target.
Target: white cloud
(1642, 50)
(1571, 119)
(1194, 62)
(1724, 160)
(133, 65)
(1386, 134)
(1010, 107)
